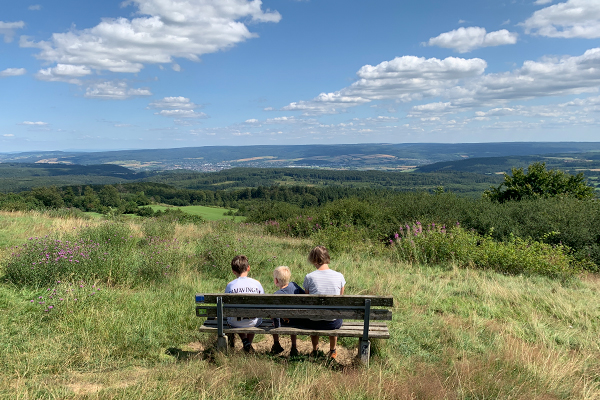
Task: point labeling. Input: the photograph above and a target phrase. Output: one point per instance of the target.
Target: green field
(208, 213)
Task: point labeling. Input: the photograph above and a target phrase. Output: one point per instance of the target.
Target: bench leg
(222, 343)
(364, 350)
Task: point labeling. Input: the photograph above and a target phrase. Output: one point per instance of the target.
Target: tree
(50, 196)
(109, 196)
(538, 182)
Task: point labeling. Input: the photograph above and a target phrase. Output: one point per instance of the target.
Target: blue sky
(103, 75)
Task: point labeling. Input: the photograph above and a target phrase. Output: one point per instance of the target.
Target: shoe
(316, 354)
(248, 348)
(294, 352)
(332, 354)
(276, 349)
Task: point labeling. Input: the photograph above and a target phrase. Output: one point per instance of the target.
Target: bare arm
(342, 291)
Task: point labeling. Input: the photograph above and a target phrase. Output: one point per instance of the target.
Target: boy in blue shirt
(281, 278)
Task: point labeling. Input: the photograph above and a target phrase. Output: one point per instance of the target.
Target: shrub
(108, 253)
(345, 238)
(218, 249)
(437, 244)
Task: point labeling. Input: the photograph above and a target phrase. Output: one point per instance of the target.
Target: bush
(436, 244)
(345, 238)
(108, 253)
(218, 249)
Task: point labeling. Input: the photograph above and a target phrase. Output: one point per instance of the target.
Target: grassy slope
(456, 333)
(208, 213)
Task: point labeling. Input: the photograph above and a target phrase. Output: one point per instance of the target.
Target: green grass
(208, 213)
(457, 333)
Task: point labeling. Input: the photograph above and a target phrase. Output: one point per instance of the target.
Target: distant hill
(16, 177)
(341, 156)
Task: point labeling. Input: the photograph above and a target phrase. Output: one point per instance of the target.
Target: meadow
(208, 213)
(121, 325)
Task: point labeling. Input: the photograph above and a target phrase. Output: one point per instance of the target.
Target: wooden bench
(311, 306)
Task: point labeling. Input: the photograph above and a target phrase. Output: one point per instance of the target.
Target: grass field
(208, 213)
(456, 333)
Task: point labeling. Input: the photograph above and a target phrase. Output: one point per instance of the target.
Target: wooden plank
(267, 324)
(296, 299)
(379, 334)
(346, 325)
(332, 313)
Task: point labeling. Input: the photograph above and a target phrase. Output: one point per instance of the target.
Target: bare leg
(332, 342)
(249, 336)
(294, 340)
(315, 342)
(275, 339)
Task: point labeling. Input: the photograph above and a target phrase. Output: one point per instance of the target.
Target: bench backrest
(295, 306)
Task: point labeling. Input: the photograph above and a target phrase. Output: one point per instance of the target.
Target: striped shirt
(324, 282)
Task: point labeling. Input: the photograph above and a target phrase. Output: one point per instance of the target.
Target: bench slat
(295, 299)
(342, 332)
(267, 323)
(376, 314)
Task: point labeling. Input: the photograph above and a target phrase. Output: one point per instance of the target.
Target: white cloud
(63, 73)
(8, 135)
(174, 103)
(404, 78)
(541, 2)
(182, 114)
(548, 77)
(13, 72)
(182, 109)
(465, 40)
(114, 90)
(164, 29)
(176, 67)
(31, 123)
(251, 121)
(35, 7)
(572, 19)
(462, 83)
(8, 29)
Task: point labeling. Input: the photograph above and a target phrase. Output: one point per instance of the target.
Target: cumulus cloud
(461, 83)
(547, 77)
(8, 135)
(114, 90)
(174, 103)
(572, 19)
(63, 73)
(164, 30)
(404, 78)
(8, 29)
(182, 114)
(13, 72)
(177, 107)
(468, 39)
(32, 123)
(35, 7)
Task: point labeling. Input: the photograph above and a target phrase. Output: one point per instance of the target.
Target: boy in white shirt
(243, 284)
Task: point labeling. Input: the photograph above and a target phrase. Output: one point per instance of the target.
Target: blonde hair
(283, 275)
(319, 256)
